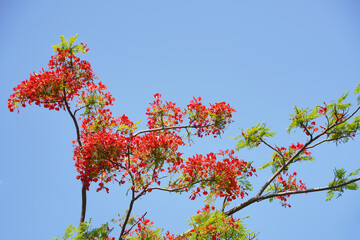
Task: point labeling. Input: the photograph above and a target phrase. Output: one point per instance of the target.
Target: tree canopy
(110, 149)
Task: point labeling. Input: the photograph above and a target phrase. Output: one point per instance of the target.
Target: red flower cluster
(66, 76)
(162, 114)
(221, 177)
(289, 184)
(152, 153)
(288, 153)
(209, 120)
(298, 147)
(100, 155)
(105, 141)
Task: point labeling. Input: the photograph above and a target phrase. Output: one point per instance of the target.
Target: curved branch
(87, 105)
(271, 147)
(260, 198)
(83, 188)
(168, 190)
(128, 213)
(169, 128)
(133, 199)
(306, 146)
(134, 224)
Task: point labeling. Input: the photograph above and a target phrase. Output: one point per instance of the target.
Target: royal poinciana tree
(112, 149)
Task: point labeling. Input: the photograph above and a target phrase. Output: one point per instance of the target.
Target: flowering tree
(112, 149)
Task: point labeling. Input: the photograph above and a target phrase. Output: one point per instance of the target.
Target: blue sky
(262, 57)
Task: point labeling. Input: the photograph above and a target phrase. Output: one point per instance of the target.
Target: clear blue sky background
(263, 57)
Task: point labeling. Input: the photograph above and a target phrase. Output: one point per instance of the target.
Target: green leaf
(343, 97)
(354, 172)
(357, 89)
(340, 173)
(135, 124)
(266, 165)
(340, 177)
(302, 117)
(329, 195)
(69, 45)
(252, 136)
(352, 186)
(72, 39)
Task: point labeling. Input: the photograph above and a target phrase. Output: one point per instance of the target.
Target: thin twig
(134, 224)
(168, 128)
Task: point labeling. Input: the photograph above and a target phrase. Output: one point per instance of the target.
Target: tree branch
(260, 198)
(311, 140)
(83, 188)
(169, 128)
(134, 224)
(263, 141)
(307, 145)
(133, 199)
(168, 190)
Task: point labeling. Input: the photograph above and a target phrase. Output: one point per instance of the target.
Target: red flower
(323, 110)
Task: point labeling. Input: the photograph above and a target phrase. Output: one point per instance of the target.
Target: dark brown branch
(83, 188)
(283, 167)
(263, 141)
(168, 190)
(254, 236)
(267, 196)
(323, 141)
(338, 138)
(300, 151)
(258, 197)
(133, 199)
(128, 214)
(76, 110)
(134, 224)
(168, 128)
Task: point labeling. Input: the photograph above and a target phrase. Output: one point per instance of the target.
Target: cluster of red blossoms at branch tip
(219, 177)
(66, 76)
(211, 120)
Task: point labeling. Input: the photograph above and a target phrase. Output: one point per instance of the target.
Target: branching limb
(273, 148)
(224, 203)
(311, 189)
(169, 128)
(323, 141)
(128, 214)
(87, 105)
(307, 145)
(253, 236)
(267, 196)
(134, 224)
(169, 190)
(133, 199)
